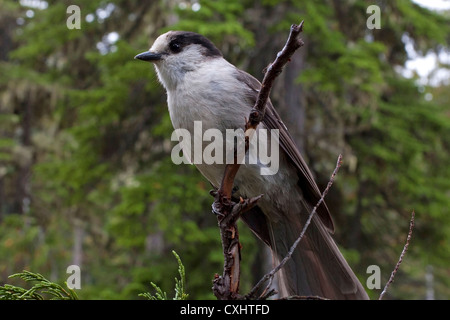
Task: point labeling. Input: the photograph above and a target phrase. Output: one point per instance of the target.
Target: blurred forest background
(85, 170)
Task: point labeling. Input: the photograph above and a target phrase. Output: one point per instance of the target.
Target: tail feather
(317, 267)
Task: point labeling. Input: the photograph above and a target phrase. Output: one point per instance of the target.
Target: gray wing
(306, 181)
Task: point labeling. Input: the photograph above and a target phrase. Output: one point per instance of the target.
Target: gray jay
(202, 86)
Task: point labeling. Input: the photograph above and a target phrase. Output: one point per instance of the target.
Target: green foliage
(85, 140)
(180, 285)
(41, 288)
(218, 20)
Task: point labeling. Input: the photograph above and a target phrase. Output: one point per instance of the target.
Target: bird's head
(176, 53)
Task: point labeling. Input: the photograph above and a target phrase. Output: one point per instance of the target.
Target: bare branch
(272, 71)
(227, 285)
(405, 248)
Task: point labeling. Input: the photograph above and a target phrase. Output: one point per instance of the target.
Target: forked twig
(399, 262)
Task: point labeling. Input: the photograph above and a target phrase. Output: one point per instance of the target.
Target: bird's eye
(175, 47)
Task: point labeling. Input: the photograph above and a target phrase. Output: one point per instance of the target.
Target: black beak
(149, 56)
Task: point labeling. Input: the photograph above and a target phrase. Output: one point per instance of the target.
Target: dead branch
(269, 276)
(272, 71)
(227, 286)
(405, 248)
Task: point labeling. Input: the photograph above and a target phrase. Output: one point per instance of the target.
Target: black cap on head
(180, 39)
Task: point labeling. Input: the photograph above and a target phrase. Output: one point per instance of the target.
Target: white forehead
(161, 42)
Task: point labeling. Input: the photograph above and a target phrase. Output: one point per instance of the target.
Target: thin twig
(272, 71)
(269, 276)
(405, 248)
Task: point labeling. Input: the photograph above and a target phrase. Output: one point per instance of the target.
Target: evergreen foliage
(85, 170)
(38, 291)
(180, 285)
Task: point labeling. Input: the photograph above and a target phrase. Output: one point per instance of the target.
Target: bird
(203, 87)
